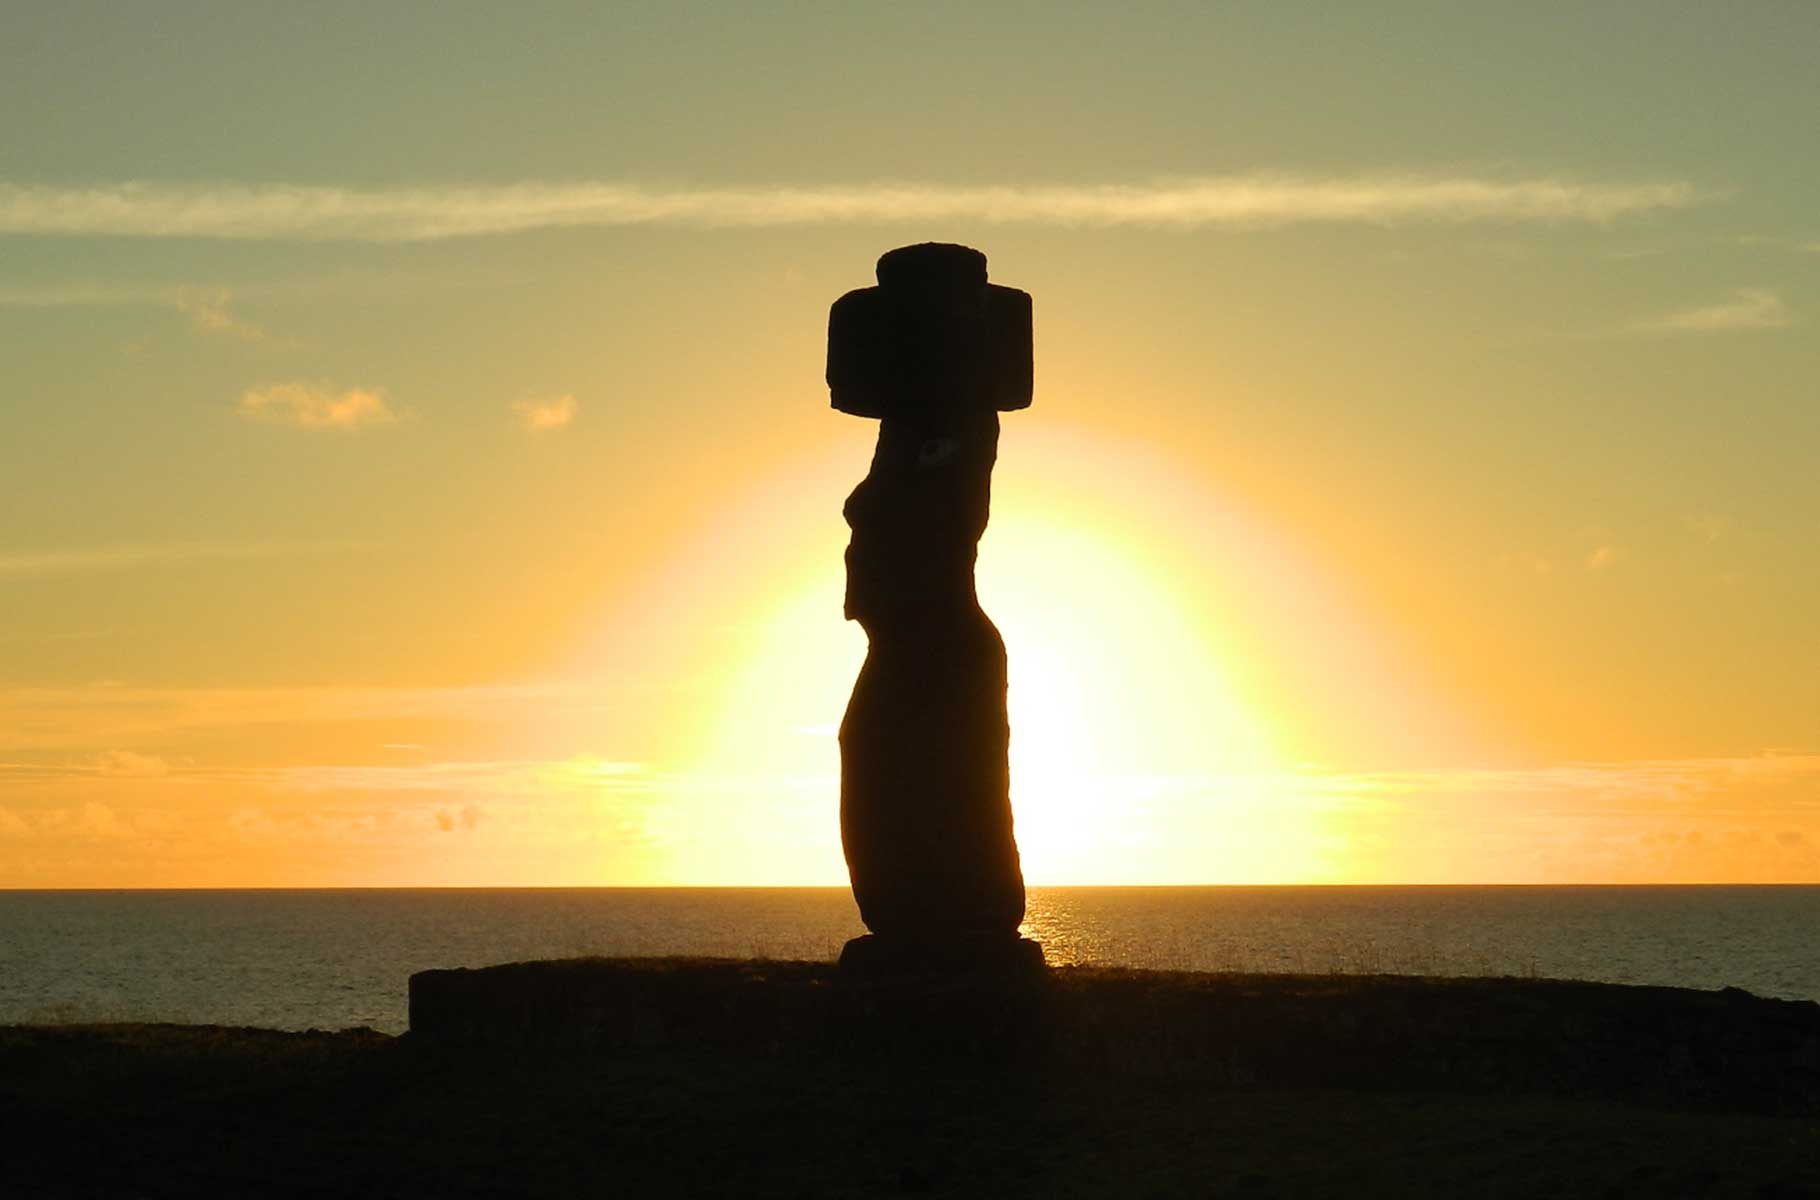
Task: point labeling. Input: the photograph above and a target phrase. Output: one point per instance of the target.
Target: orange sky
(421, 473)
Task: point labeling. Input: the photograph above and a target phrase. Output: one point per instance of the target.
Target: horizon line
(799, 887)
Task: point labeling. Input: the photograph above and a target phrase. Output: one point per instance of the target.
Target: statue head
(932, 342)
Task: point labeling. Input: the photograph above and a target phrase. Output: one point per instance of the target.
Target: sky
(416, 469)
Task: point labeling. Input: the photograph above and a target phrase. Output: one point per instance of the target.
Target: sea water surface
(333, 959)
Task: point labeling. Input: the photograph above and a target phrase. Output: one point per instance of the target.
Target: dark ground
(165, 1110)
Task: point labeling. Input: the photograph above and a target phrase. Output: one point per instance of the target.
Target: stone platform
(1722, 1050)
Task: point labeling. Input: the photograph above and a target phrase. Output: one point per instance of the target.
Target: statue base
(964, 998)
(875, 957)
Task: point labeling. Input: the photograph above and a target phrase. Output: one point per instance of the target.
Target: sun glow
(1160, 714)
(1113, 683)
(1101, 704)
(1118, 680)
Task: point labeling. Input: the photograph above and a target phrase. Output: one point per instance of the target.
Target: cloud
(207, 306)
(1709, 527)
(63, 635)
(314, 212)
(313, 406)
(125, 764)
(209, 313)
(1797, 245)
(100, 821)
(1527, 561)
(49, 563)
(510, 777)
(111, 765)
(1600, 557)
(1745, 308)
(80, 294)
(392, 282)
(1775, 782)
(549, 412)
(467, 818)
(582, 819)
(85, 719)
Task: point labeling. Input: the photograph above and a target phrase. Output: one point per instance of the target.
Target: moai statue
(935, 353)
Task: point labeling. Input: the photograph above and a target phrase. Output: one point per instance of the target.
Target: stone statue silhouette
(935, 352)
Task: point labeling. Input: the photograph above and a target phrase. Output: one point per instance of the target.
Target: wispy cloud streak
(546, 413)
(245, 211)
(508, 777)
(1645, 783)
(315, 406)
(1745, 308)
(210, 312)
(44, 564)
(79, 294)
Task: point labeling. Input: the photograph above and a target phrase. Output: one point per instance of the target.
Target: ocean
(332, 959)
